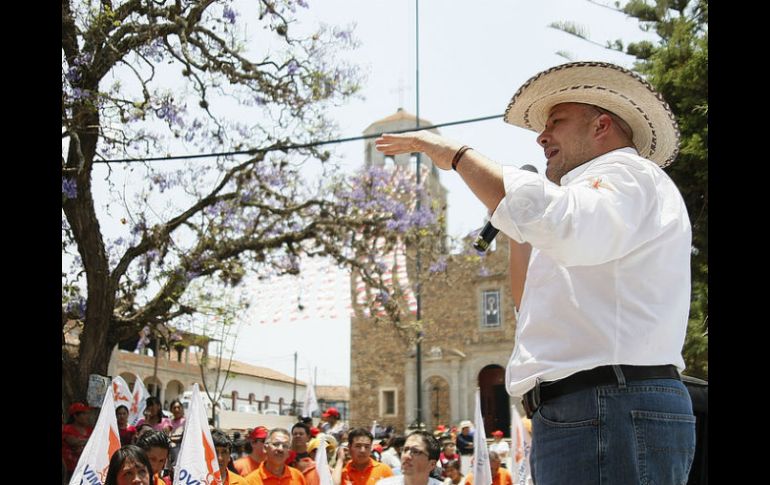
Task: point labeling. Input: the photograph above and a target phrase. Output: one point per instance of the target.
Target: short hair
(397, 441)
(617, 120)
(357, 433)
(121, 406)
(453, 464)
(175, 401)
(303, 426)
(125, 453)
(279, 430)
(154, 439)
(494, 456)
(430, 442)
(220, 438)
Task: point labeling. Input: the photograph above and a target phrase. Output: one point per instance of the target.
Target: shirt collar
(264, 473)
(575, 172)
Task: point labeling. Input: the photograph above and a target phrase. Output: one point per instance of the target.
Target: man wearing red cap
(332, 424)
(251, 462)
(74, 435)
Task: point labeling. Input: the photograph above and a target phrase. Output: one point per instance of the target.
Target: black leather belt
(598, 376)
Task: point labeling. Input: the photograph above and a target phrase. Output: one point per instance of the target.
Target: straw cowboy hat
(611, 87)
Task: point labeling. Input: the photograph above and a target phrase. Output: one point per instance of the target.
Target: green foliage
(678, 68)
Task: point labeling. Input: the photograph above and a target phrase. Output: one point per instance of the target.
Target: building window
(491, 308)
(388, 398)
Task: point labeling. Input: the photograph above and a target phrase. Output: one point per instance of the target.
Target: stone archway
(495, 403)
(174, 390)
(438, 409)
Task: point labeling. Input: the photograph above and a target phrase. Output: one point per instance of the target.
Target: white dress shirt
(608, 280)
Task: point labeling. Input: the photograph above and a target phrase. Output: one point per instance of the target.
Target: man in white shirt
(600, 270)
(418, 458)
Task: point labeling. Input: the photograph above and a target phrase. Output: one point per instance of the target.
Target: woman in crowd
(128, 466)
(125, 430)
(154, 416)
(177, 428)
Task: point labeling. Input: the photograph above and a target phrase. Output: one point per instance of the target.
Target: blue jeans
(627, 433)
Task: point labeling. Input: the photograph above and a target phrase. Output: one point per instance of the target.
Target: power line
(254, 151)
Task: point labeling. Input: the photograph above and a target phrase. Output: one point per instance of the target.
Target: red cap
(441, 428)
(331, 412)
(314, 432)
(77, 407)
(258, 433)
(377, 448)
(497, 433)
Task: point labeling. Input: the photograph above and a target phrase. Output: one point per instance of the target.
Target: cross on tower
(400, 88)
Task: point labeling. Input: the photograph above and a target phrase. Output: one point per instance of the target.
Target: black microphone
(488, 233)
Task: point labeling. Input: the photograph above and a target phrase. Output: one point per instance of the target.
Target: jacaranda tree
(142, 78)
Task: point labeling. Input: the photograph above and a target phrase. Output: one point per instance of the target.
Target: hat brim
(611, 87)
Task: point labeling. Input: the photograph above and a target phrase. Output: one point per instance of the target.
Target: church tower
(399, 121)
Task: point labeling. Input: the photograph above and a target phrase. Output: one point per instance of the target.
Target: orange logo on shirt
(597, 183)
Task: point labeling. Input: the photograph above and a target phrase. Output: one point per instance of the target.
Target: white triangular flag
(197, 459)
(482, 474)
(311, 403)
(138, 402)
(103, 442)
(121, 393)
(322, 463)
(520, 445)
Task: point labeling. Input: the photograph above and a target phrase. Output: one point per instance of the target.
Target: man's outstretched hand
(438, 148)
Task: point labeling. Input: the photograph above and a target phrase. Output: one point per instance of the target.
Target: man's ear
(603, 124)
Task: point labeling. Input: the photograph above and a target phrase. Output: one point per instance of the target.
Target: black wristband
(458, 156)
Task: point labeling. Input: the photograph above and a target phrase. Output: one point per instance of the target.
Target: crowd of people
(280, 456)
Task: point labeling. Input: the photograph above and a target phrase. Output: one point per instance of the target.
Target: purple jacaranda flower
(69, 187)
(229, 14)
(302, 3)
(83, 59)
(78, 94)
(439, 266)
(73, 74)
(292, 67)
(484, 271)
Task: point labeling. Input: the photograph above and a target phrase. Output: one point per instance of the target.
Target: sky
(473, 56)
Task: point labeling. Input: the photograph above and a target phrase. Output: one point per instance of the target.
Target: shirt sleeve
(602, 214)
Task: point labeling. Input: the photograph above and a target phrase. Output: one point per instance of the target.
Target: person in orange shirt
(251, 462)
(500, 476)
(157, 445)
(274, 470)
(224, 446)
(361, 469)
(300, 434)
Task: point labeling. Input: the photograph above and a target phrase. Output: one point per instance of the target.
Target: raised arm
(482, 175)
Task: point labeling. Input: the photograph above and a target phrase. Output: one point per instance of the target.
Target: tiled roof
(333, 393)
